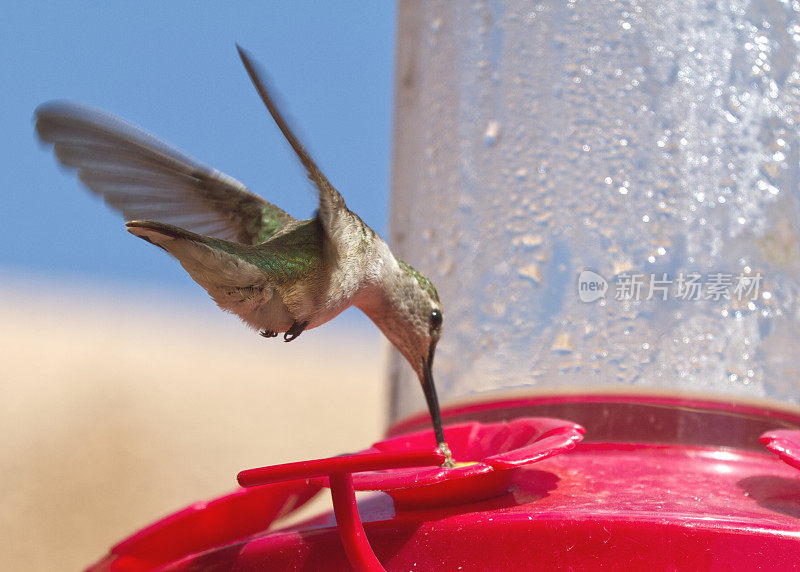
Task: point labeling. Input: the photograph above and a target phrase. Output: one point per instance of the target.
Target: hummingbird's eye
(436, 320)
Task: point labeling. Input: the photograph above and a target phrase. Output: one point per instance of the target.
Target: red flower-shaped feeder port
(785, 443)
(485, 455)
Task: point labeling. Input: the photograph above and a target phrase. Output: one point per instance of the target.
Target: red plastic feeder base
(727, 503)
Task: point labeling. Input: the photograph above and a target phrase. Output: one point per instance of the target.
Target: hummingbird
(277, 273)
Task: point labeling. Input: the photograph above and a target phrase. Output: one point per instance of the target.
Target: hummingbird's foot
(448, 456)
(296, 329)
(268, 334)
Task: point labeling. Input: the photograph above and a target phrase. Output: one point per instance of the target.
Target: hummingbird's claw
(268, 334)
(296, 329)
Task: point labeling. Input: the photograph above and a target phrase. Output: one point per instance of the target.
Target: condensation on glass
(653, 144)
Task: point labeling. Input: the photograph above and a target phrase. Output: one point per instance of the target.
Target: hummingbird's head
(409, 313)
(417, 317)
(406, 308)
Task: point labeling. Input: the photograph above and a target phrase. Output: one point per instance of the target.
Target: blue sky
(172, 68)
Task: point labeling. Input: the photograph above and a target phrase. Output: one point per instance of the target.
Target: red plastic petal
(785, 443)
(206, 525)
(483, 454)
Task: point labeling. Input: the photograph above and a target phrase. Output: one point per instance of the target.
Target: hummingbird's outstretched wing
(145, 178)
(331, 203)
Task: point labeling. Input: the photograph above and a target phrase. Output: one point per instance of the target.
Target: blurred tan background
(119, 403)
(119, 407)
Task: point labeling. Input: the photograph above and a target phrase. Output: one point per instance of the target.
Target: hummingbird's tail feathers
(200, 255)
(143, 177)
(331, 203)
(236, 284)
(158, 232)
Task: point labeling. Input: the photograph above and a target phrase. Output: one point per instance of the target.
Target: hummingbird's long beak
(429, 389)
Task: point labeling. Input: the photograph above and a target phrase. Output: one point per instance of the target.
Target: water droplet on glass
(492, 133)
(562, 343)
(531, 271)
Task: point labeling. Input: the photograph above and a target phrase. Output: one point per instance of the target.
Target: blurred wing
(146, 179)
(331, 203)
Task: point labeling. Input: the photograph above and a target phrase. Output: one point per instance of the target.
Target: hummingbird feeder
(605, 194)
